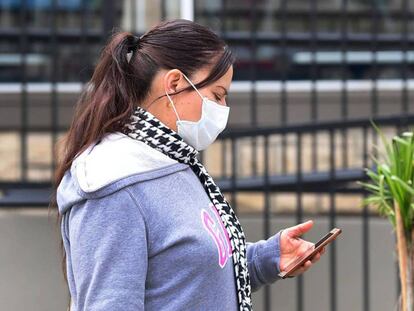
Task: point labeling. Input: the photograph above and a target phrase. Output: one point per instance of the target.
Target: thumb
(298, 230)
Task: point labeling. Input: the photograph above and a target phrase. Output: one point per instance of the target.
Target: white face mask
(213, 121)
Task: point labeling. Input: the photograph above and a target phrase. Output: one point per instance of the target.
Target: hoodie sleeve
(108, 242)
(263, 259)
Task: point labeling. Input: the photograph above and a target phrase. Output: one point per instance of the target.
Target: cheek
(191, 107)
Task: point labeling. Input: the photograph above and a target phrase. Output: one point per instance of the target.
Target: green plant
(391, 191)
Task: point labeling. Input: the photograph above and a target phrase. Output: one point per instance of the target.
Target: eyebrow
(225, 90)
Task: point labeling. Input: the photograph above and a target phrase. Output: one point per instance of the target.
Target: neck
(162, 111)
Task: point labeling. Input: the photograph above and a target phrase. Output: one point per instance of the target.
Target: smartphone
(298, 262)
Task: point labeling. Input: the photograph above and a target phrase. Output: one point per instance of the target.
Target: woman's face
(188, 104)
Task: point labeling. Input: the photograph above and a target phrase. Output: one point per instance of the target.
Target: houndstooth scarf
(145, 127)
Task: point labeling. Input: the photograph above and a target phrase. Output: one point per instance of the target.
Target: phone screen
(327, 236)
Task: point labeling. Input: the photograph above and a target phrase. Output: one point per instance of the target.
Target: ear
(172, 80)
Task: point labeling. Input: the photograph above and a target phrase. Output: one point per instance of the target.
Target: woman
(143, 224)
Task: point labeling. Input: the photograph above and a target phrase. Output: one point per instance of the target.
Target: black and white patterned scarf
(145, 127)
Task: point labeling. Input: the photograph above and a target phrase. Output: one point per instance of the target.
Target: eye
(217, 97)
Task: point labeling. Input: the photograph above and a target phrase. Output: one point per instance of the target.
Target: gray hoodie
(140, 232)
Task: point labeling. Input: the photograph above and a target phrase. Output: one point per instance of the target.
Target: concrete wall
(268, 105)
(31, 279)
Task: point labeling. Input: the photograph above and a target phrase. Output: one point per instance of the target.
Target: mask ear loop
(202, 97)
(171, 101)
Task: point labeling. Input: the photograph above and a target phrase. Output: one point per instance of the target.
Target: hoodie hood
(115, 161)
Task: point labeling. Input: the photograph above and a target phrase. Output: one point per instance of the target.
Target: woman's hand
(292, 247)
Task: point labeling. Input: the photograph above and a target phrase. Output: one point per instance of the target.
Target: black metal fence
(314, 42)
(337, 177)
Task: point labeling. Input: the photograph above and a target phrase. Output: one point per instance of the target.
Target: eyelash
(217, 98)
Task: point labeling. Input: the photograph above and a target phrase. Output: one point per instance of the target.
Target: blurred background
(309, 77)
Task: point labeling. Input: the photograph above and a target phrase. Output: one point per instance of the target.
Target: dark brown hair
(117, 85)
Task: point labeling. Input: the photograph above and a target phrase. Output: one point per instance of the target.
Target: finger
(316, 257)
(303, 268)
(298, 272)
(307, 265)
(300, 229)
